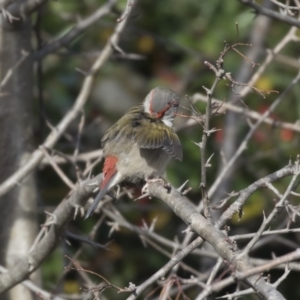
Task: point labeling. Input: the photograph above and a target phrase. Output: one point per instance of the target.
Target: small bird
(139, 146)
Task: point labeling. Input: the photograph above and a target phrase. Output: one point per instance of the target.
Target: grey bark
(18, 218)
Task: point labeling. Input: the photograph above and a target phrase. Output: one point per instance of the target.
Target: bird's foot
(145, 188)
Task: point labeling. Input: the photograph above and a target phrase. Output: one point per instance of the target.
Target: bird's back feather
(145, 130)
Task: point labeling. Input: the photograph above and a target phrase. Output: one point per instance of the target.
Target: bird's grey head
(162, 103)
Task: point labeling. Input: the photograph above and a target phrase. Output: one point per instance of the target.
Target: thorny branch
(259, 9)
(223, 107)
(73, 113)
(78, 29)
(237, 261)
(242, 275)
(220, 73)
(243, 144)
(63, 214)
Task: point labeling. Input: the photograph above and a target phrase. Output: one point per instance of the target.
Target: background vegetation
(164, 43)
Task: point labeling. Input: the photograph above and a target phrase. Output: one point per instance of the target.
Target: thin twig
(11, 70)
(247, 112)
(58, 170)
(242, 275)
(162, 271)
(267, 220)
(205, 135)
(74, 32)
(271, 13)
(63, 213)
(54, 136)
(245, 141)
(36, 289)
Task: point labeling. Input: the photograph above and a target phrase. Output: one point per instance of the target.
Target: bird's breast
(140, 164)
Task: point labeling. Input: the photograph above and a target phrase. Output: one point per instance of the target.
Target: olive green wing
(147, 131)
(123, 127)
(153, 133)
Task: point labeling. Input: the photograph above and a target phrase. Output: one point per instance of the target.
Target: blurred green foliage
(174, 38)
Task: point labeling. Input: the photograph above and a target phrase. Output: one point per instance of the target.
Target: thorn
(198, 144)
(182, 186)
(187, 230)
(152, 226)
(207, 165)
(144, 195)
(81, 72)
(52, 220)
(186, 191)
(78, 209)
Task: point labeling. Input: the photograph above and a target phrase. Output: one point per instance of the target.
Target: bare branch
(82, 98)
(243, 144)
(82, 157)
(267, 220)
(272, 14)
(16, 10)
(187, 212)
(63, 214)
(289, 37)
(73, 33)
(265, 233)
(248, 113)
(36, 289)
(245, 194)
(286, 7)
(256, 270)
(12, 69)
(205, 135)
(58, 170)
(160, 273)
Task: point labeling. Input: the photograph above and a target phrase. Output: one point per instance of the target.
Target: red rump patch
(109, 169)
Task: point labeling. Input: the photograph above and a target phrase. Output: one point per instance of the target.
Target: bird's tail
(114, 180)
